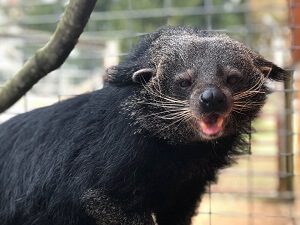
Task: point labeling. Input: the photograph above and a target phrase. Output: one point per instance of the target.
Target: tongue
(211, 126)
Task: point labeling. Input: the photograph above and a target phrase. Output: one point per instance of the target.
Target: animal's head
(195, 85)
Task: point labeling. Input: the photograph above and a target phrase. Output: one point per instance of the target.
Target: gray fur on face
(209, 56)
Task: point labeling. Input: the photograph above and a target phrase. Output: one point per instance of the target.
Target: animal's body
(170, 117)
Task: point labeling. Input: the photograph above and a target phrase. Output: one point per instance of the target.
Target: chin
(206, 137)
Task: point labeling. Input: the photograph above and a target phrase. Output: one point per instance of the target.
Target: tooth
(220, 121)
(203, 124)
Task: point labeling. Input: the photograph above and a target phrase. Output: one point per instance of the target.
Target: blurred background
(264, 186)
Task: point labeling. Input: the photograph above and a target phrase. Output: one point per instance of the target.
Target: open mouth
(211, 125)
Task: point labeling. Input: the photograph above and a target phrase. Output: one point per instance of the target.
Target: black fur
(89, 160)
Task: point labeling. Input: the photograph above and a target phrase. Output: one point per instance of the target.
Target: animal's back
(34, 151)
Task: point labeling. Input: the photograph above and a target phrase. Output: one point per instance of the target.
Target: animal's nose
(213, 100)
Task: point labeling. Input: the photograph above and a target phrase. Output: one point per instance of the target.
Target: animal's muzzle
(213, 100)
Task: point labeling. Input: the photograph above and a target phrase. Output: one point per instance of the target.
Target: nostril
(207, 96)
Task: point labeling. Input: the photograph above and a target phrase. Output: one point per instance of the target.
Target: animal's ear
(143, 75)
(270, 70)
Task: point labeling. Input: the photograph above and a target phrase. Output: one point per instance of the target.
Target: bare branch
(52, 55)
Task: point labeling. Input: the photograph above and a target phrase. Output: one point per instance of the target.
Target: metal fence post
(286, 154)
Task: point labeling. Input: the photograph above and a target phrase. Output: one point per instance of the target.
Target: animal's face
(201, 88)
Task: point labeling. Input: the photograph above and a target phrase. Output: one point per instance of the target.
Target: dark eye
(185, 83)
(234, 77)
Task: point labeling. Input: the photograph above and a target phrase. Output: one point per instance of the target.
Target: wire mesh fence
(264, 186)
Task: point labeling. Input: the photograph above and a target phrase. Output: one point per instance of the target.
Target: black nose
(213, 100)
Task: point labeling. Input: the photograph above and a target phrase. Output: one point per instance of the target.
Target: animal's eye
(184, 80)
(185, 83)
(234, 77)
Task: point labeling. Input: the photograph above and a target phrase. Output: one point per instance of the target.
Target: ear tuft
(278, 74)
(270, 70)
(274, 72)
(143, 75)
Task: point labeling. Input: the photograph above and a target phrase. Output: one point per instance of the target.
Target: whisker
(167, 112)
(247, 104)
(189, 117)
(173, 109)
(171, 103)
(247, 91)
(172, 118)
(242, 106)
(155, 92)
(160, 104)
(238, 111)
(166, 127)
(247, 94)
(253, 90)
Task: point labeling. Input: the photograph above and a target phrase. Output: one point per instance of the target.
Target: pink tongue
(210, 128)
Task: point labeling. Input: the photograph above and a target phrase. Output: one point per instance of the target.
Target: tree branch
(52, 55)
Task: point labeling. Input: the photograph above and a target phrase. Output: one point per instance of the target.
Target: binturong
(143, 149)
